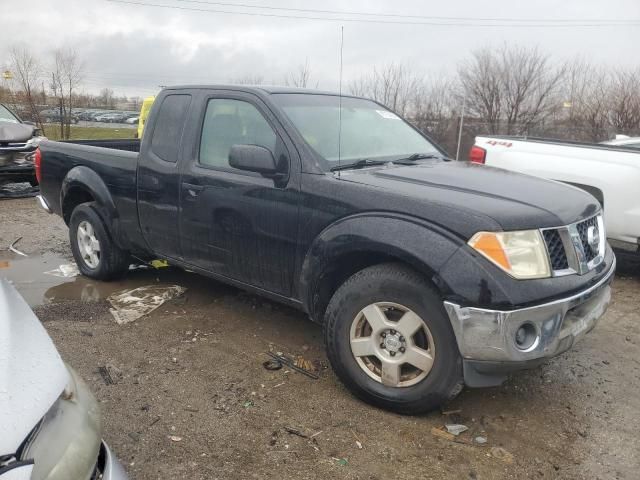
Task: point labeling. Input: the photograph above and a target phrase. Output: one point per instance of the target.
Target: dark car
(18, 143)
(427, 274)
(53, 115)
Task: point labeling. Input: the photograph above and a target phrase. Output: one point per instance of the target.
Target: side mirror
(253, 158)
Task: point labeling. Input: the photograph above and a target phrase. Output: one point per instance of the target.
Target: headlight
(66, 444)
(523, 254)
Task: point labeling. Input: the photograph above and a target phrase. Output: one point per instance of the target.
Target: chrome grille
(576, 248)
(555, 248)
(590, 250)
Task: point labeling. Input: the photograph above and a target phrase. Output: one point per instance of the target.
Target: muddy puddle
(49, 278)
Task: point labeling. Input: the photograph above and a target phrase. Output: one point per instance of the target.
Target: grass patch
(52, 132)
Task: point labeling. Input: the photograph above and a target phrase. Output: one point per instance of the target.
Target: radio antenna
(340, 99)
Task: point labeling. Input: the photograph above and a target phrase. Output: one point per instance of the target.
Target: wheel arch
(595, 191)
(80, 185)
(364, 240)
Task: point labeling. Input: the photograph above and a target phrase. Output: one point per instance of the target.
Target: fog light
(526, 336)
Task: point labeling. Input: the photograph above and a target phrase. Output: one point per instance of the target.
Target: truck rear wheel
(95, 253)
(390, 342)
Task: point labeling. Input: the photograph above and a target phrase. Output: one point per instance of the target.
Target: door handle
(192, 188)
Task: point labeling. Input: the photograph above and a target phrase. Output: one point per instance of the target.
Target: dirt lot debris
(175, 438)
(303, 363)
(159, 263)
(501, 454)
(296, 431)
(480, 440)
(106, 376)
(451, 412)
(272, 364)
(68, 270)
(439, 432)
(129, 305)
(358, 442)
(110, 374)
(13, 248)
(343, 462)
(456, 428)
(292, 364)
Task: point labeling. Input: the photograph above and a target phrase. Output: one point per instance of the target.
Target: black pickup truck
(427, 274)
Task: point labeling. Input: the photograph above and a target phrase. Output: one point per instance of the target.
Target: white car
(50, 425)
(611, 173)
(624, 141)
(132, 120)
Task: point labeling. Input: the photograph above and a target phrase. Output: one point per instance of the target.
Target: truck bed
(561, 143)
(129, 145)
(110, 163)
(611, 173)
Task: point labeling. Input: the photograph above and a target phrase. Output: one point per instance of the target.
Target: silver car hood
(32, 374)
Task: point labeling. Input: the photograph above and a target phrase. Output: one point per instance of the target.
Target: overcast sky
(133, 48)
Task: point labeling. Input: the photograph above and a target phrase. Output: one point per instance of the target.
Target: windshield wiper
(363, 162)
(418, 156)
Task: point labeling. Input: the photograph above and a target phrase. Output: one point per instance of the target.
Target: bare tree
(587, 91)
(27, 72)
(392, 85)
(481, 88)
(624, 98)
(530, 86)
(300, 77)
(66, 76)
(431, 108)
(107, 98)
(514, 85)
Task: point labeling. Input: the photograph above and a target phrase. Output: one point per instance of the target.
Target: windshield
(368, 130)
(7, 116)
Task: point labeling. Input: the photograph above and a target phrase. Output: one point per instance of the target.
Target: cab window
(169, 126)
(229, 122)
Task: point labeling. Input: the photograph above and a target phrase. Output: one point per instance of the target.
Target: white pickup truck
(611, 173)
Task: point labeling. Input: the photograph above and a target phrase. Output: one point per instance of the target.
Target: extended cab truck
(425, 273)
(609, 171)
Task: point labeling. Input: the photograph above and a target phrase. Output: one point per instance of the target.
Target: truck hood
(32, 374)
(11, 132)
(512, 200)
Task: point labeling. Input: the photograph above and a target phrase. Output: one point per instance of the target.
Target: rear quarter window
(169, 126)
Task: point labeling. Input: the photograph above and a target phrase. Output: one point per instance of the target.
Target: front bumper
(109, 466)
(17, 173)
(487, 338)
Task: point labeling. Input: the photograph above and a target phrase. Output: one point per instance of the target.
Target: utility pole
(464, 102)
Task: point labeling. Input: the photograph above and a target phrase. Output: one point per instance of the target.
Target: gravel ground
(191, 399)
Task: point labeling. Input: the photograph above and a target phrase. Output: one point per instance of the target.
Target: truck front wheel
(95, 253)
(390, 342)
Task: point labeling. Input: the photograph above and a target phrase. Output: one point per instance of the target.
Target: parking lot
(83, 123)
(186, 394)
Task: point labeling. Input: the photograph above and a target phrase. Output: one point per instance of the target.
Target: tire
(112, 262)
(402, 288)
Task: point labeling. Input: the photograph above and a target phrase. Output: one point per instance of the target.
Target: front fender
(86, 179)
(425, 247)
